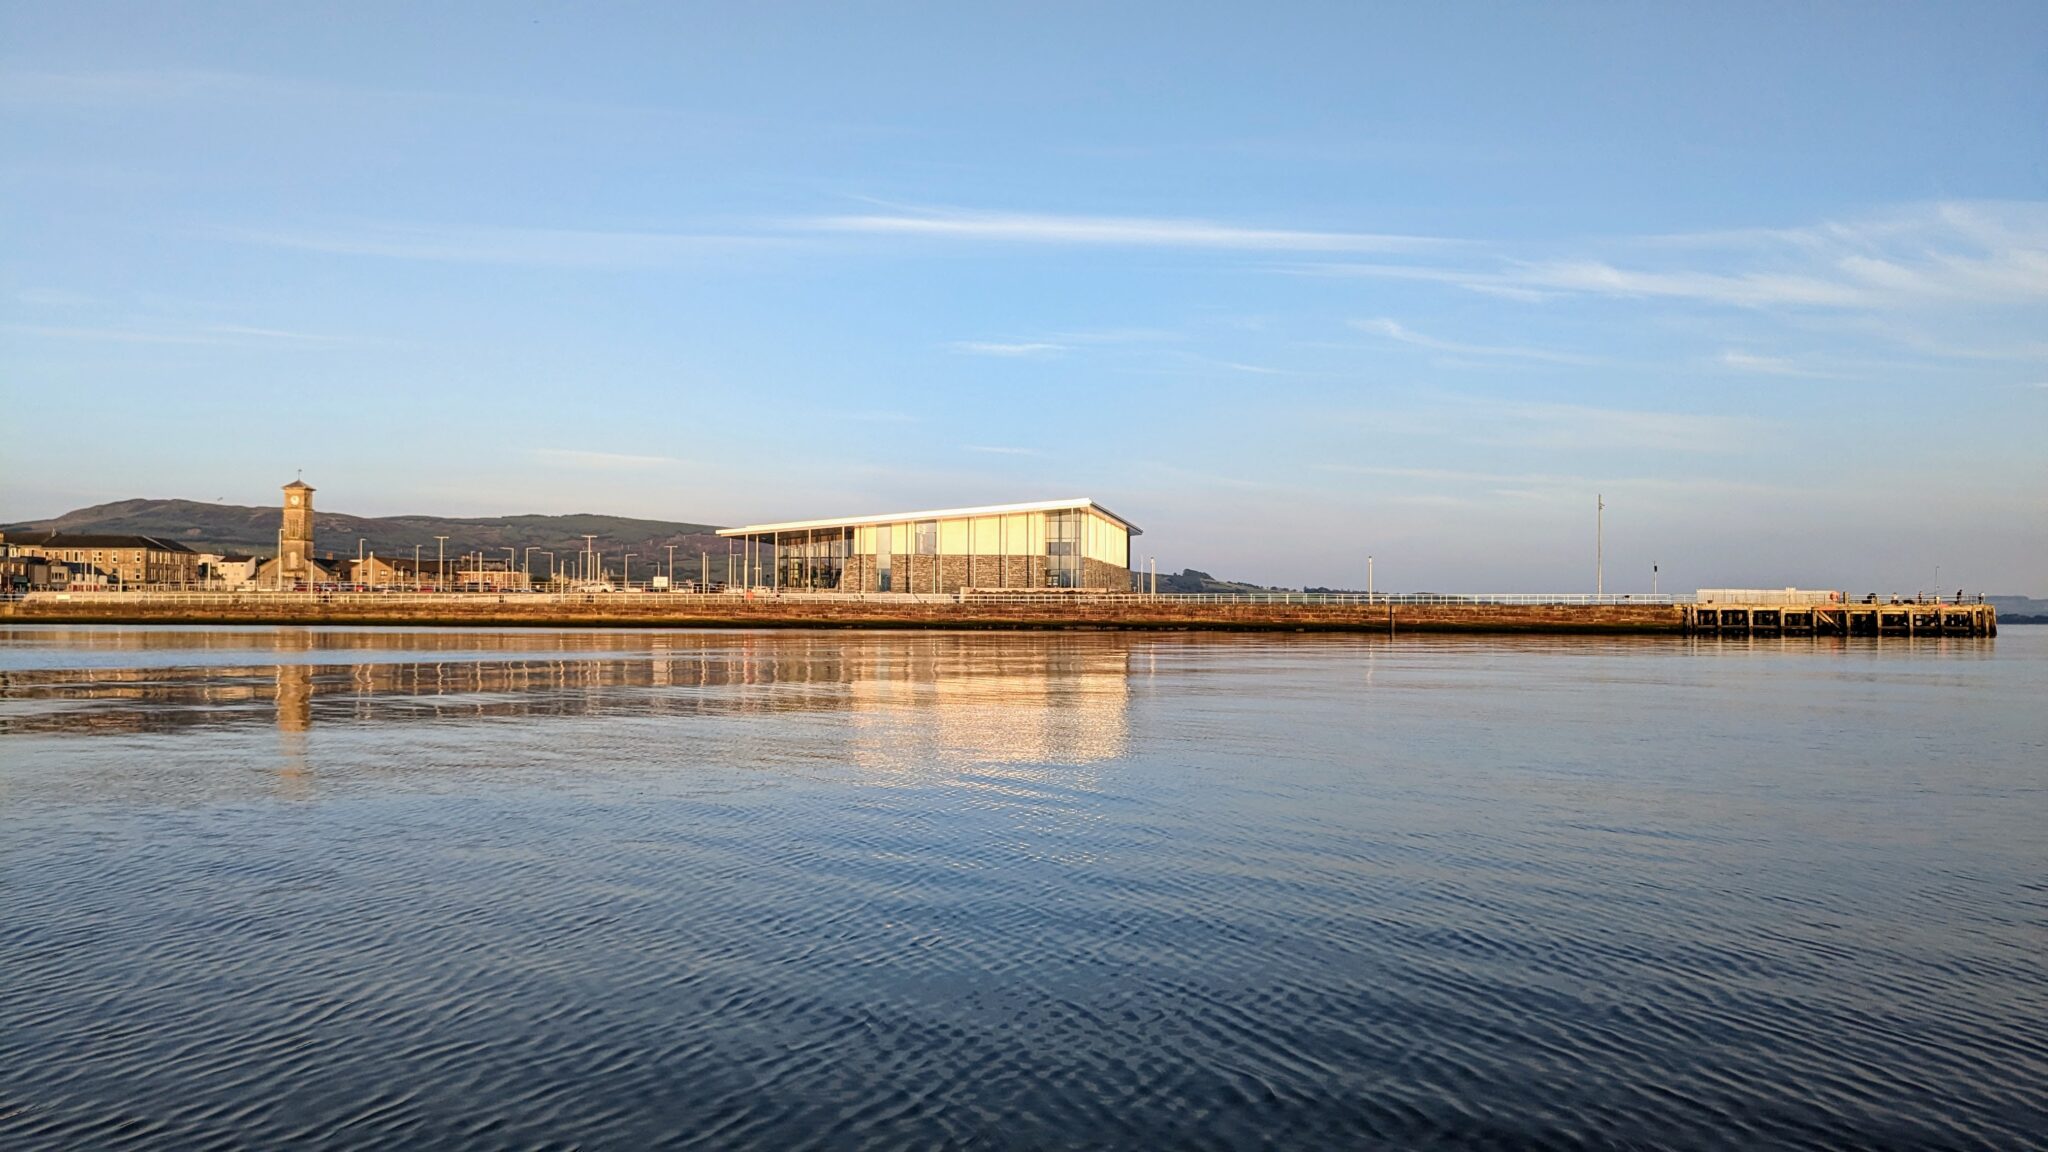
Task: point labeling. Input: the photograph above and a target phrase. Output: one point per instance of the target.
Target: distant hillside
(235, 528)
(1194, 580)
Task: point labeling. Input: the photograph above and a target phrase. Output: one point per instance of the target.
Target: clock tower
(295, 535)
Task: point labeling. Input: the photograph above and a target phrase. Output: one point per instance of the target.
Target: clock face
(295, 501)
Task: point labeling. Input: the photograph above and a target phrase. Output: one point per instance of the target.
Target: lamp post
(441, 564)
(554, 577)
(1653, 577)
(1368, 578)
(415, 569)
(671, 567)
(589, 554)
(527, 564)
(627, 578)
(1599, 544)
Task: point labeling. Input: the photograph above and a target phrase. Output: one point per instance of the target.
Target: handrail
(970, 596)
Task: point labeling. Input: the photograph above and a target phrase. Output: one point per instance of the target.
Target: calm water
(360, 888)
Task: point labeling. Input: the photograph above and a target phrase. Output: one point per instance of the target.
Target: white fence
(970, 596)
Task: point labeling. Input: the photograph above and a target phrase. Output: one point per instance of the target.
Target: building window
(928, 538)
(1063, 549)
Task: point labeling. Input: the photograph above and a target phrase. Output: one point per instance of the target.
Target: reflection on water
(904, 701)
(361, 888)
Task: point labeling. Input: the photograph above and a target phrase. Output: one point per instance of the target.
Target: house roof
(299, 484)
(936, 514)
(98, 540)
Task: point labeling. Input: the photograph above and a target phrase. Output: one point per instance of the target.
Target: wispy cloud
(540, 247)
(1393, 330)
(1496, 422)
(1536, 281)
(1547, 485)
(51, 298)
(1742, 361)
(61, 90)
(211, 334)
(1013, 351)
(1580, 426)
(874, 416)
(20, 87)
(1945, 253)
(999, 450)
(1119, 336)
(602, 461)
(1116, 231)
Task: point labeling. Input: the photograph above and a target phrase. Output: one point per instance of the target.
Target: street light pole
(1653, 577)
(627, 578)
(1599, 544)
(1368, 577)
(671, 567)
(589, 554)
(441, 564)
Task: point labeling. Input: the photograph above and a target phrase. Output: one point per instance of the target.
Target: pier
(1563, 614)
(1839, 619)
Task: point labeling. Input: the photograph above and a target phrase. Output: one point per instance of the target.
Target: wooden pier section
(1840, 619)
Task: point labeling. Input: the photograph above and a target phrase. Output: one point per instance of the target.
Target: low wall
(797, 611)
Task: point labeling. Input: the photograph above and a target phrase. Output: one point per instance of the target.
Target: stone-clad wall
(1104, 576)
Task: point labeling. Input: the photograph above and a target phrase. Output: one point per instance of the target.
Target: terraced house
(125, 560)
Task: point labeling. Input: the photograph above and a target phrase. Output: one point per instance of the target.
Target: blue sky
(1288, 285)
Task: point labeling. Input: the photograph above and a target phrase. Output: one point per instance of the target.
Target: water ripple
(352, 889)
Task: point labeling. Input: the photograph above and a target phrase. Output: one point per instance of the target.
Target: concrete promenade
(1261, 612)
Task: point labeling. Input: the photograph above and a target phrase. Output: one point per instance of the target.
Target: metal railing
(1355, 598)
(969, 596)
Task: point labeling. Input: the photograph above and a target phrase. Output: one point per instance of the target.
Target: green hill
(234, 528)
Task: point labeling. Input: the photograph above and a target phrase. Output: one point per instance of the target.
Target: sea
(532, 889)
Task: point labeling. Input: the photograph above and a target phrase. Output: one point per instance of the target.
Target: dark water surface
(381, 889)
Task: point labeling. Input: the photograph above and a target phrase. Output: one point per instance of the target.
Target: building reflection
(294, 700)
(906, 699)
(988, 703)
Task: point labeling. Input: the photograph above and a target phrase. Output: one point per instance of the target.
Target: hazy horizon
(1286, 291)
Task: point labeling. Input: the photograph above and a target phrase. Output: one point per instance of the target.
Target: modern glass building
(1050, 544)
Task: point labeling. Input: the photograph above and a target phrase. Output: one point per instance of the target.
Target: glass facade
(813, 559)
(1063, 549)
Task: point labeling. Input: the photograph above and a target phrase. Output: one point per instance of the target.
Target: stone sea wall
(799, 611)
